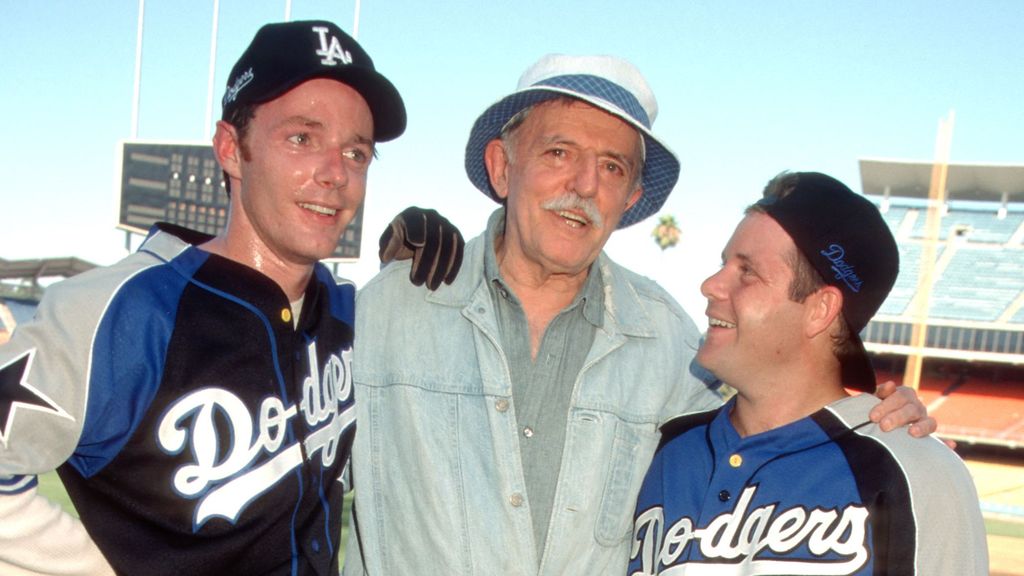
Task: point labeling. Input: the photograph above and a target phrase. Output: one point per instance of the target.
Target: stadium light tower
(138, 71)
(208, 123)
(936, 205)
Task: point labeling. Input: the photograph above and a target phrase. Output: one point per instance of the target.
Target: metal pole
(936, 202)
(355, 23)
(208, 124)
(288, 10)
(138, 72)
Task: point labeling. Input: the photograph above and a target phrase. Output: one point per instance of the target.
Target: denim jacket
(437, 475)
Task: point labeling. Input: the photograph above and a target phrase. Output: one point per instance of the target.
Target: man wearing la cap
(791, 476)
(513, 438)
(196, 396)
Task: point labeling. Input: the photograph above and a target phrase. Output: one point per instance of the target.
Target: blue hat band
(600, 88)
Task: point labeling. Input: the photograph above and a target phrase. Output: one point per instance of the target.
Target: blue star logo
(17, 394)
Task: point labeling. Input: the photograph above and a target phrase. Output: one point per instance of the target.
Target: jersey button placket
(735, 461)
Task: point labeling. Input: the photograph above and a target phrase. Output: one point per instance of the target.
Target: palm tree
(666, 233)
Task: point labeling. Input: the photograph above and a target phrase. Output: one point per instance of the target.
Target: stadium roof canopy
(984, 182)
(42, 268)
(26, 275)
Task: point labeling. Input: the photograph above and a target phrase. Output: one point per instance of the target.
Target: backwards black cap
(846, 240)
(282, 56)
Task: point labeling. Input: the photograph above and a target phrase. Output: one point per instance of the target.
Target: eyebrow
(739, 256)
(303, 120)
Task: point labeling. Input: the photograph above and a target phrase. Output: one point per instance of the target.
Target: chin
(709, 361)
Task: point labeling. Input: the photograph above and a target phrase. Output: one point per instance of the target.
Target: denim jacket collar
(624, 314)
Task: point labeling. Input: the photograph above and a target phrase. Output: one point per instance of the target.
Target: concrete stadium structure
(973, 349)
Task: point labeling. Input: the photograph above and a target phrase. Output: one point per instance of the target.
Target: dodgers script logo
(843, 270)
(736, 542)
(226, 478)
(243, 80)
(330, 49)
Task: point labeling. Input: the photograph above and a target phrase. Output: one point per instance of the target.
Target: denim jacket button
(501, 405)
(516, 499)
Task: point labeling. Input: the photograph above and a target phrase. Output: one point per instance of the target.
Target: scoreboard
(183, 184)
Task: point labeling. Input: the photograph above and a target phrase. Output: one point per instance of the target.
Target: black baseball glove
(433, 243)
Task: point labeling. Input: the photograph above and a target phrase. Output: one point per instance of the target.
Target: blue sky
(746, 89)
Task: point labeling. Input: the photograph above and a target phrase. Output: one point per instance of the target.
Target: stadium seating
(975, 318)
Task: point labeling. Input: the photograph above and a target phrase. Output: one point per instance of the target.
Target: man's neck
(291, 278)
(543, 295)
(766, 406)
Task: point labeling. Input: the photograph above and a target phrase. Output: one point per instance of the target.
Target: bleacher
(975, 312)
(972, 408)
(981, 225)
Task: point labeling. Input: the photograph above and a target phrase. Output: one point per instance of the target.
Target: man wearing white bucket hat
(506, 421)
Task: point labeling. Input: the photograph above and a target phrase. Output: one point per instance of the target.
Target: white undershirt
(296, 309)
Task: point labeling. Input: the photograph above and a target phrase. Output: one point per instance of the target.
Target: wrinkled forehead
(568, 111)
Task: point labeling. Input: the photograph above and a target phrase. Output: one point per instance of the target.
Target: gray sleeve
(45, 368)
(951, 531)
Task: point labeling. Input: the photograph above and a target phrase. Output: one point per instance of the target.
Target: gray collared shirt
(542, 388)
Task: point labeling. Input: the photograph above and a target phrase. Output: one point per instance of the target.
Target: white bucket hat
(606, 82)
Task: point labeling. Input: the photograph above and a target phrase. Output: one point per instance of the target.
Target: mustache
(572, 201)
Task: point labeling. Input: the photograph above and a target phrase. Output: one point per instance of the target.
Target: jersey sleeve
(42, 382)
(951, 530)
(46, 369)
(38, 537)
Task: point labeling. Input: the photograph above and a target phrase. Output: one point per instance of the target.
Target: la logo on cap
(331, 51)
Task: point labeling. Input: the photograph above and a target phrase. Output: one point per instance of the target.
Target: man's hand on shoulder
(901, 406)
(433, 243)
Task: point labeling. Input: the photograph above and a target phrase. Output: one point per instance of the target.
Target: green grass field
(1005, 528)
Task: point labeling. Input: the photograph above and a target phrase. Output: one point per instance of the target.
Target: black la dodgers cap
(847, 241)
(283, 55)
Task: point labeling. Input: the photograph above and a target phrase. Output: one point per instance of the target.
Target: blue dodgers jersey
(810, 497)
(217, 430)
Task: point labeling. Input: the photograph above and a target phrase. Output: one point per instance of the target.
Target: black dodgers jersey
(214, 432)
(827, 494)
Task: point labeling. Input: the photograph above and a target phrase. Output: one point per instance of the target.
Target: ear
(496, 160)
(634, 197)
(823, 308)
(228, 151)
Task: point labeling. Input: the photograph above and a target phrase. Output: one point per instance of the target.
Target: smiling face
(755, 328)
(299, 175)
(567, 173)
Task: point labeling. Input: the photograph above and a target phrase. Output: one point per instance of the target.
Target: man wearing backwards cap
(791, 476)
(513, 438)
(196, 396)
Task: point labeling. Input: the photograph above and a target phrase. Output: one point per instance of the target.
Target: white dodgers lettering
(227, 473)
(732, 542)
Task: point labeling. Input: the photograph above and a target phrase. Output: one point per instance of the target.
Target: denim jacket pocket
(632, 450)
